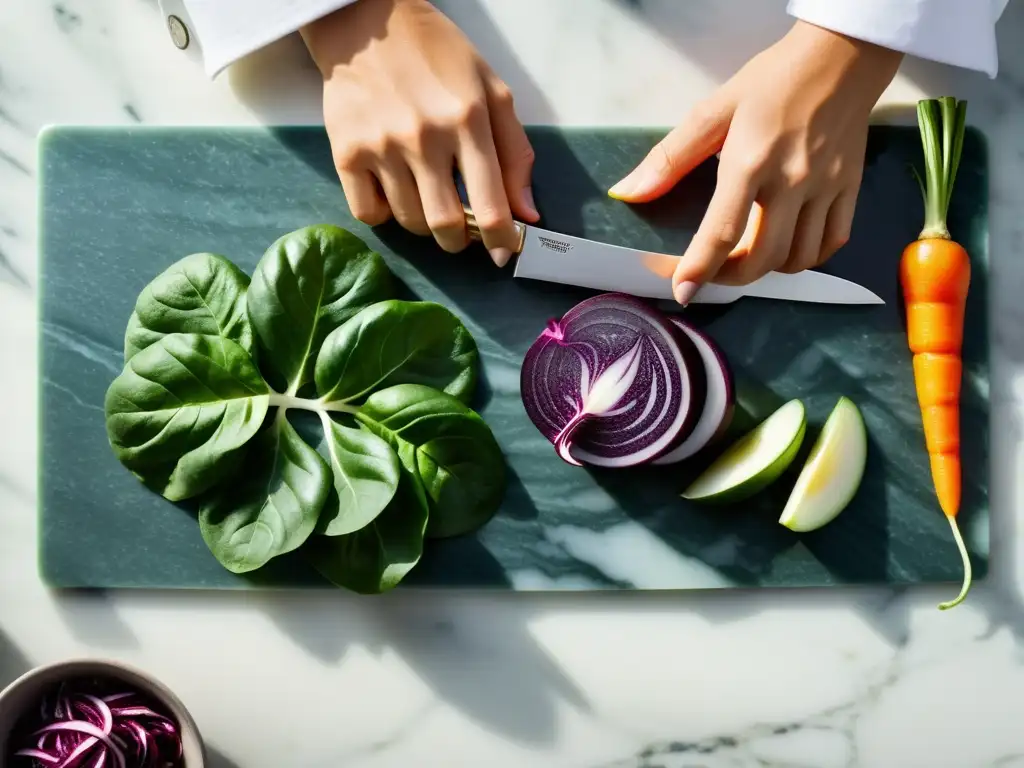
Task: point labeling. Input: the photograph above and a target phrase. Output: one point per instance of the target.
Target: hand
(407, 99)
(791, 127)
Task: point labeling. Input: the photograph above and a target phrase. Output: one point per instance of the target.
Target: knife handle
(474, 229)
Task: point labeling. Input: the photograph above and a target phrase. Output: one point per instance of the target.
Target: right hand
(407, 98)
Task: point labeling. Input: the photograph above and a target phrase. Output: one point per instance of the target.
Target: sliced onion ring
(719, 401)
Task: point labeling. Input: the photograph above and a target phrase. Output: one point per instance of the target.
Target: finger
(807, 237)
(700, 135)
(403, 196)
(838, 224)
(442, 208)
(364, 196)
(478, 161)
(753, 222)
(515, 154)
(719, 231)
(771, 245)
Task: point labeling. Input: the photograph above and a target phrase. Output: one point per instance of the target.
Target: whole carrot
(935, 272)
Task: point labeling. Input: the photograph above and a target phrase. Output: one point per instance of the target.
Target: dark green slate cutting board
(119, 205)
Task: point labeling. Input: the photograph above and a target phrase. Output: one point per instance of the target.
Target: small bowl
(27, 690)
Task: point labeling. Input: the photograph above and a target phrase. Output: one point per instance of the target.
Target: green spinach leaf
(272, 507)
(137, 337)
(202, 293)
(448, 449)
(307, 284)
(397, 342)
(365, 473)
(182, 408)
(377, 557)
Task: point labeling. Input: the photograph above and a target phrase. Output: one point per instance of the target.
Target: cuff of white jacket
(957, 32)
(227, 30)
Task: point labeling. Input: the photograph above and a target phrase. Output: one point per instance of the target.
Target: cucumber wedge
(833, 471)
(755, 460)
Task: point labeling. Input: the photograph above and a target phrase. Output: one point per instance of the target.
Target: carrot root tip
(967, 567)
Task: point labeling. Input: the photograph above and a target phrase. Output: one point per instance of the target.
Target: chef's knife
(558, 258)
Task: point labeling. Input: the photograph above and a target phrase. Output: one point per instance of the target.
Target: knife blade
(557, 258)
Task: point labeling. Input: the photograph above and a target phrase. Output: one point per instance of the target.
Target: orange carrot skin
(935, 274)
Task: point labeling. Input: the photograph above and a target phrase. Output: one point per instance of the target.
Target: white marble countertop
(858, 677)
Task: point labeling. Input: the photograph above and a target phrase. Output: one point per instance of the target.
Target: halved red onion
(719, 399)
(609, 384)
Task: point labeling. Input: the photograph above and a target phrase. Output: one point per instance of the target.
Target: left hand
(791, 128)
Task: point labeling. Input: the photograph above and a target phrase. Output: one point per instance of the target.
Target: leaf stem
(967, 568)
(942, 123)
(309, 404)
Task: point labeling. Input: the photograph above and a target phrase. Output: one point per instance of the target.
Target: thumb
(685, 147)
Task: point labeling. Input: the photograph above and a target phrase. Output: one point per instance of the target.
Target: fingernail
(500, 256)
(685, 291)
(528, 200)
(623, 188)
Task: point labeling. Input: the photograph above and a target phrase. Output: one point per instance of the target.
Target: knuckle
(725, 233)
(502, 95)
(751, 164)
(833, 243)
(474, 113)
(369, 214)
(350, 157)
(526, 155)
(797, 172)
(837, 171)
(467, 114)
(491, 220)
(703, 113)
(446, 221)
(721, 241)
(662, 161)
(379, 148)
(410, 133)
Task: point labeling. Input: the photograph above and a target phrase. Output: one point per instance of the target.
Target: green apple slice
(755, 460)
(832, 473)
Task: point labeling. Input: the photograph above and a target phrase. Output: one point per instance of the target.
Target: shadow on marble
(13, 663)
(279, 83)
(491, 670)
(1002, 595)
(707, 34)
(491, 41)
(92, 617)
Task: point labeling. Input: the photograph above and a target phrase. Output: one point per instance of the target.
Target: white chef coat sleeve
(223, 31)
(957, 32)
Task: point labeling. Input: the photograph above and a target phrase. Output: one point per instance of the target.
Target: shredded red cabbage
(92, 723)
